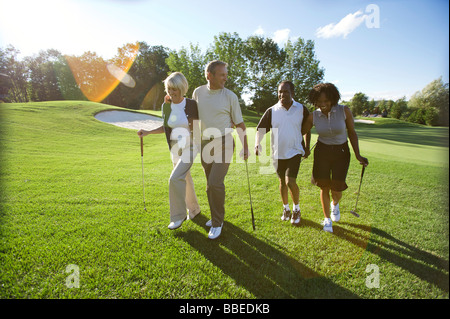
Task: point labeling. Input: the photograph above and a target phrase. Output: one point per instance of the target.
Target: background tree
(389, 105)
(379, 107)
(359, 103)
(434, 98)
(430, 105)
(14, 76)
(148, 70)
(371, 106)
(125, 56)
(68, 87)
(230, 48)
(302, 67)
(43, 80)
(265, 62)
(191, 62)
(398, 108)
(91, 74)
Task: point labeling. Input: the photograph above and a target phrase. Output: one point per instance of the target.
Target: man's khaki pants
(216, 158)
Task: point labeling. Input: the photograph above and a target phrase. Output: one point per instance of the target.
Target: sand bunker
(131, 120)
(365, 121)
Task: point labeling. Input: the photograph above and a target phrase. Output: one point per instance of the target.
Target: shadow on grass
(356, 238)
(422, 264)
(260, 268)
(265, 271)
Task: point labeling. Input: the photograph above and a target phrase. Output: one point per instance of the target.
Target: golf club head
(354, 213)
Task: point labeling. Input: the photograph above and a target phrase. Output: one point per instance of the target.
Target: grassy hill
(72, 195)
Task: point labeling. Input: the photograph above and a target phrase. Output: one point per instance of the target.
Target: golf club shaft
(359, 190)
(250, 195)
(142, 162)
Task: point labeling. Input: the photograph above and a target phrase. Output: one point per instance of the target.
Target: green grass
(71, 190)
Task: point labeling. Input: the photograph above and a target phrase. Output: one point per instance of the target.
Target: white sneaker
(286, 214)
(335, 213)
(327, 225)
(214, 232)
(295, 217)
(175, 225)
(209, 223)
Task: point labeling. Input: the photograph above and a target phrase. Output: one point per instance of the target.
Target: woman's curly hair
(331, 92)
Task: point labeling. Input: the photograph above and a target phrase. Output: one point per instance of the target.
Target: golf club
(142, 161)
(357, 197)
(250, 195)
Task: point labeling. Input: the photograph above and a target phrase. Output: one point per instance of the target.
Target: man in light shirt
(219, 111)
(287, 121)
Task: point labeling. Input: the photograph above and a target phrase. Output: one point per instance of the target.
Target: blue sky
(385, 49)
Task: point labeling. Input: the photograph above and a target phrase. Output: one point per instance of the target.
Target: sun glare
(97, 78)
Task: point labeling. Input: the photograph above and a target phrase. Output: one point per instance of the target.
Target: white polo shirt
(286, 127)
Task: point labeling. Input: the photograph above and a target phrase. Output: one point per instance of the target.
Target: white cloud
(280, 37)
(343, 28)
(259, 31)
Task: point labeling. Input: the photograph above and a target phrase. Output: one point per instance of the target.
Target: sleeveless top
(332, 129)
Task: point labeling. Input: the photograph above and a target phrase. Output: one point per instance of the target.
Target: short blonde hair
(177, 81)
(211, 67)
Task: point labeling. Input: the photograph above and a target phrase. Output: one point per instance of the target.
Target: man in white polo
(219, 111)
(286, 119)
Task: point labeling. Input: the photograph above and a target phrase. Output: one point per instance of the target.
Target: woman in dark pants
(334, 124)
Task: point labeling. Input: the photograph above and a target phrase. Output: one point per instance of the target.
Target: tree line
(256, 65)
(430, 106)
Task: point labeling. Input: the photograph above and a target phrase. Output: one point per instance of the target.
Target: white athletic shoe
(175, 225)
(286, 214)
(327, 225)
(295, 219)
(214, 232)
(209, 223)
(335, 213)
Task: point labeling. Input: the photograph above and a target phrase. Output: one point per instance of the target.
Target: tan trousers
(181, 188)
(216, 168)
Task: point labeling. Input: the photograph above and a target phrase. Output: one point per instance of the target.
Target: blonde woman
(179, 118)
